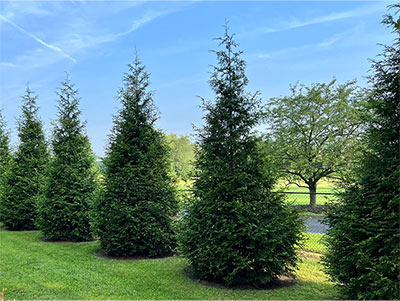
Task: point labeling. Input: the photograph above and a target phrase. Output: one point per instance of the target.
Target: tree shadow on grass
(102, 254)
(280, 282)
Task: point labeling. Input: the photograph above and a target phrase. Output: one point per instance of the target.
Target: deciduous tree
(315, 132)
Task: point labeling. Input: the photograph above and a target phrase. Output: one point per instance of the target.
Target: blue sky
(283, 42)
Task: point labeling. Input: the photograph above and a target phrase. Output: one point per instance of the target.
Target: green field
(296, 199)
(33, 269)
(313, 242)
(324, 186)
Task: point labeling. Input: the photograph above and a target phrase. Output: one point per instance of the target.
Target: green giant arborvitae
(135, 211)
(70, 190)
(364, 236)
(5, 155)
(24, 183)
(236, 231)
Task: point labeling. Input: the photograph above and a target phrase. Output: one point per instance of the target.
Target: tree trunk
(313, 196)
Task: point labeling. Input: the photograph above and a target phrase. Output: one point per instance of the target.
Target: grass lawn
(33, 269)
(324, 186)
(313, 243)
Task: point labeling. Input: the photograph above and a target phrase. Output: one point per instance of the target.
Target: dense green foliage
(70, 190)
(315, 132)
(25, 180)
(182, 155)
(236, 231)
(363, 242)
(5, 155)
(136, 208)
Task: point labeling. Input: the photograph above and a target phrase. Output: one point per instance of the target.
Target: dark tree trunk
(313, 194)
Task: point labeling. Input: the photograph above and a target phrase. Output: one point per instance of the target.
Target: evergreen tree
(237, 231)
(139, 200)
(24, 183)
(363, 240)
(5, 155)
(64, 213)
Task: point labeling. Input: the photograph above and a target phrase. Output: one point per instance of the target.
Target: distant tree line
(234, 229)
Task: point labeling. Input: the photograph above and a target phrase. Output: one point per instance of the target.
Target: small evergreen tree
(364, 236)
(5, 155)
(139, 199)
(24, 183)
(237, 231)
(64, 213)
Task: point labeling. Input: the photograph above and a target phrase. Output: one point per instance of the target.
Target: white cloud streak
(359, 12)
(52, 47)
(299, 49)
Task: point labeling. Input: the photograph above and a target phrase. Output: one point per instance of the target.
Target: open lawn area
(34, 269)
(324, 186)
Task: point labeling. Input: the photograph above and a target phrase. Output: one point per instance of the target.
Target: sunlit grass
(313, 242)
(33, 269)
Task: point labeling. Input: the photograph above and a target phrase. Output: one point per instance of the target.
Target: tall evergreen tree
(64, 213)
(237, 231)
(5, 155)
(364, 236)
(24, 183)
(139, 199)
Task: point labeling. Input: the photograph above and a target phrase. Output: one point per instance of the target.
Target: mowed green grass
(324, 186)
(313, 242)
(33, 269)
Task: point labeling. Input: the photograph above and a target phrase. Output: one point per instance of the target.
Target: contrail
(59, 50)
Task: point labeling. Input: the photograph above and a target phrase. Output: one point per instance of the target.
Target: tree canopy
(182, 154)
(315, 131)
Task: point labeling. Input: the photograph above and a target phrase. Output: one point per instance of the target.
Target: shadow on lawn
(100, 253)
(280, 282)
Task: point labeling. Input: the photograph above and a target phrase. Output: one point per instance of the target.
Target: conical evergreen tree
(236, 231)
(5, 155)
(70, 191)
(364, 236)
(24, 183)
(139, 200)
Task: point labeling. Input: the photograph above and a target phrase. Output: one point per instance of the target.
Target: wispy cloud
(300, 49)
(75, 41)
(295, 23)
(52, 47)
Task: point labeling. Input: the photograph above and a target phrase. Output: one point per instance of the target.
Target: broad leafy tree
(363, 240)
(182, 155)
(135, 211)
(236, 231)
(70, 190)
(315, 132)
(24, 182)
